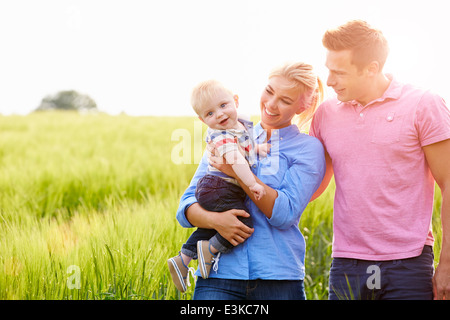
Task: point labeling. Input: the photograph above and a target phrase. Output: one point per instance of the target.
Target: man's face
(349, 82)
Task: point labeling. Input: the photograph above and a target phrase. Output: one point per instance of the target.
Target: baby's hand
(258, 191)
(263, 149)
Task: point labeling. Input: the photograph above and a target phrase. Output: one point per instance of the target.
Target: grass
(88, 202)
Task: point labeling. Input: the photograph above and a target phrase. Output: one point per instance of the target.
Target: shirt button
(361, 114)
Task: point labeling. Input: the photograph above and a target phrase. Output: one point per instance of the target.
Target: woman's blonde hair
(302, 76)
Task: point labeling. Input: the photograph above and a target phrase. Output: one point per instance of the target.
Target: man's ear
(373, 68)
(236, 100)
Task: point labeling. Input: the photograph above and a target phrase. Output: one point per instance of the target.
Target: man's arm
(438, 158)
(326, 179)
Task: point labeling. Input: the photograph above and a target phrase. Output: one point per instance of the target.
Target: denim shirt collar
(247, 123)
(260, 133)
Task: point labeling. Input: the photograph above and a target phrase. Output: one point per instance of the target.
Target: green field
(88, 202)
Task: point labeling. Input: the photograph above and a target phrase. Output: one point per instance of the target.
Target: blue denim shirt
(276, 250)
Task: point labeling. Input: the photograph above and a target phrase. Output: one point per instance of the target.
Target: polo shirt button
(361, 114)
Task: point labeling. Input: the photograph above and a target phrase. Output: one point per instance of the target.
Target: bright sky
(143, 57)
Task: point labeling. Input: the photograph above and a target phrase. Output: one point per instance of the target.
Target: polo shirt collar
(394, 92)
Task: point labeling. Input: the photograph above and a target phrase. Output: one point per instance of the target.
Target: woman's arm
(244, 174)
(266, 203)
(300, 182)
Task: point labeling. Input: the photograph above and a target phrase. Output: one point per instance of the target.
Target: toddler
(216, 106)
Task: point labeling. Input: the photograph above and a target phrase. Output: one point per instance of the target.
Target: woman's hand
(225, 223)
(231, 228)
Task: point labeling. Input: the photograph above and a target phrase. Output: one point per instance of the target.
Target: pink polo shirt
(384, 188)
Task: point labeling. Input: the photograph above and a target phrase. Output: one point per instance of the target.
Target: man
(386, 143)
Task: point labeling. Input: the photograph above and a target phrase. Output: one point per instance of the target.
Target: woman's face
(280, 103)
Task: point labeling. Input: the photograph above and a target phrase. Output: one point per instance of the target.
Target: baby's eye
(223, 105)
(209, 114)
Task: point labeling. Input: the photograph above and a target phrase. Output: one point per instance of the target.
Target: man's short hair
(366, 43)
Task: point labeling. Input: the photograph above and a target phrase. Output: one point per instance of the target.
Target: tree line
(69, 100)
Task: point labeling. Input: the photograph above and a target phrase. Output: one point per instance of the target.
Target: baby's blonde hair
(302, 76)
(203, 92)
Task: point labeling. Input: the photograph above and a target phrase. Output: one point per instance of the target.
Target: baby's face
(220, 112)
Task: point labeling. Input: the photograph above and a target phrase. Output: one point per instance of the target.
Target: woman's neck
(269, 129)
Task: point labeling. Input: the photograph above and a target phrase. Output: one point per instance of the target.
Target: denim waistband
(426, 249)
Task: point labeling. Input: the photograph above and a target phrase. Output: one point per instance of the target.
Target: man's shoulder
(417, 98)
(331, 102)
(329, 105)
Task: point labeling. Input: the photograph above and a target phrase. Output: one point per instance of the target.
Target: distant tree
(67, 100)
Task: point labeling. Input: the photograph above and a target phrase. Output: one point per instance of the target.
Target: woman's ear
(300, 108)
(301, 105)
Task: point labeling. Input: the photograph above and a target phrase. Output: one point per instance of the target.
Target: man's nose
(330, 80)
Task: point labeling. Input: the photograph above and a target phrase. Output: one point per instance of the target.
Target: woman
(268, 260)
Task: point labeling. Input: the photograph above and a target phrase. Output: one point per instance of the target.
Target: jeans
(405, 279)
(215, 194)
(226, 289)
